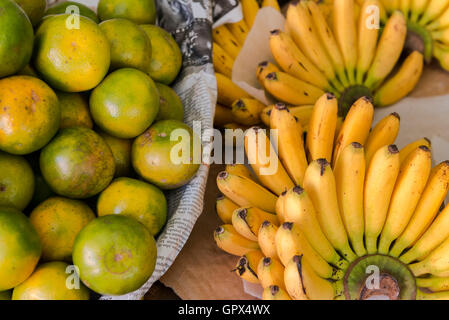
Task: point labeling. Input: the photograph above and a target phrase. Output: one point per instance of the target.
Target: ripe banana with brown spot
(428, 207)
(263, 69)
(270, 272)
(302, 113)
(275, 293)
(383, 134)
(291, 90)
(264, 161)
(293, 279)
(247, 221)
(290, 142)
(247, 111)
(408, 149)
(409, 187)
(380, 180)
(239, 170)
(280, 207)
(356, 126)
(322, 125)
(299, 209)
(245, 192)
(266, 239)
(222, 61)
(230, 241)
(319, 183)
(227, 91)
(226, 40)
(225, 207)
(239, 30)
(246, 267)
(350, 178)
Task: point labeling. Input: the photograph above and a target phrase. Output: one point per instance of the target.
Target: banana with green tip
(246, 267)
(230, 241)
(225, 207)
(266, 239)
(435, 263)
(436, 284)
(270, 272)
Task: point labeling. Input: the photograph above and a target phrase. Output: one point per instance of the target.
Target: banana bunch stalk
(328, 52)
(345, 214)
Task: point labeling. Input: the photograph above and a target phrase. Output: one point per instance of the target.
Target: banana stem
(416, 30)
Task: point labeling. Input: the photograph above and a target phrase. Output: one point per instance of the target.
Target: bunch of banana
(427, 22)
(342, 210)
(349, 58)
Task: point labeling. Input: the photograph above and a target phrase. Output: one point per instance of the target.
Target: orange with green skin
(121, 151)
(16, 38)
(166, 58)
(27, 71)
(170, 105)
(5, 295)
(136, 199)
(130, 45)
(16, 181)
(29, 114)
(58, 221)
(74, 111)
(33, 8)
(138, 11)
(71, 60)
(115, 254)
(48, 282)
(77, 163)
(152, 151)
(20, 248)
(61, 8)
(125, 103)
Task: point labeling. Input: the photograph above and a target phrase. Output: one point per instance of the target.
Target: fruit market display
(342, 207)
(320, 50)
(85, 120)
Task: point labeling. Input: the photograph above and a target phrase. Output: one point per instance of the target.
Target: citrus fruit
(138, 11)
(64, 7)
(33, 8)
(121, 151)
(74, 110)
(170, 105)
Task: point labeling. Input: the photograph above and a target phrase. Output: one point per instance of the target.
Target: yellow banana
(303, 32)
(443, 295)
(227, 91)
(226, 40)
(388, 50)
(239, 30)
(417, 8)
(265, 116)
(433, 11)
(293, 61)
(235, 126)
(245, 192)
(289, 89)
(291, 241)
(381, 176)
(350, 179)
(222, 61)
(230, 241)
(270, 273)
(222, 116)
(280, 207)
(302, 113)
(247, 221)
(290, 142)
(263, 69)
(356, 126)
(441, 52)
(346, 35)
(239, 170)
(441, 22)
(266, 239)
(299, 209)
(436, 262)
(271, 3)
(402, 83)
(435, 284)
(315, 287)
(432, 238)
(410, 184)
(320, 136)
(247, 111)
(404, 6)
(246, 267)
(328, 40)
(293, 280)
(319, 183)
(250, 9)
(225, 207)
(367, 39)
(275, 293)
(264, 161)
(441, 35)
(383, 134)
(391, 5)
(428, 207)
(408, 149)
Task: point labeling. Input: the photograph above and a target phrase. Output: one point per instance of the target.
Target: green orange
(16, 38)
(165, 161)
(125, 103)
(58, 221)
(121, 151)
(130, 45)
(16, 181)
(52, 281)
(115, 254)
(166, 58)
(71, 58)
(170, 105)
(61, 8)
(29, 114)
(138, 11)
(136, 199)
(77, 163)
(20, 248)
(74, 110)
(33, 8)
